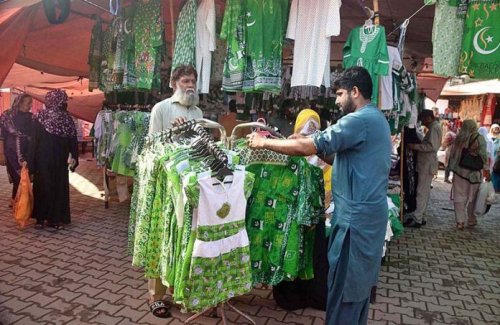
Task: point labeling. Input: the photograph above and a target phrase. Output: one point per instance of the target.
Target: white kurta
(311, 24)
(205, 43)
(387, 93)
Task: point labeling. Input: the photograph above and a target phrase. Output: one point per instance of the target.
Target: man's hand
(178, 121)
(3, 162)
(256, 141)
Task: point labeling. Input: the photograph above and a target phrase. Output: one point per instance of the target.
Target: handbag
(470, 161)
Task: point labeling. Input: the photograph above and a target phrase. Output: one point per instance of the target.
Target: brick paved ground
(434, 275)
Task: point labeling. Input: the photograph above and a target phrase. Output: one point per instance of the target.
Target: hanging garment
(447, 34)
(221, 253)
(366, 47)
(107, 59)
(265, 29)
(95, 50)
(389, 94)
(233, 31)
(205, 43)
(311, 24)
(128, 57)
(185, 37)
(148, 24)
(480, 57)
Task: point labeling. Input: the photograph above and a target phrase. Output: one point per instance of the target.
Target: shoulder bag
(469, 160)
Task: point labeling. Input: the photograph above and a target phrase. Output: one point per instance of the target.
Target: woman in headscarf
(494, 135)
(297, 294)
(16, 126)
(466, 182)
(54, 140)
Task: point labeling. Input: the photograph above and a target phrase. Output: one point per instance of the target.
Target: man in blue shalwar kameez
(362, 145)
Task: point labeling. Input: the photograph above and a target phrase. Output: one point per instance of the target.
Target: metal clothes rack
(232, 139)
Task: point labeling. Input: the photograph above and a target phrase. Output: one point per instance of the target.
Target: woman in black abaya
(53, 141)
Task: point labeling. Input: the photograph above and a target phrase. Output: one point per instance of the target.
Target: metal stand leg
(106, 187)
(222, 313)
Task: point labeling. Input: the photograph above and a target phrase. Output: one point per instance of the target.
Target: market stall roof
(28, 39)
(473, 88)
(82, 103)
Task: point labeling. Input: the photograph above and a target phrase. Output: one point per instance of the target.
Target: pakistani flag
(480, 57)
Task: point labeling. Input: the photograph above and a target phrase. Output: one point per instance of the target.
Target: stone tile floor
(433, 275)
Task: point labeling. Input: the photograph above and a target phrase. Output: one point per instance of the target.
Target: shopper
(16, 126)
(54, 140)
(283, 118)
(465, 181)
(362, 143)
(427, 166)
(495, 137)
(172, 111)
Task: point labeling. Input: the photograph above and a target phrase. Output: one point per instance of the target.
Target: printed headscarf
(7, 118)
(307, 122)
(54, 118)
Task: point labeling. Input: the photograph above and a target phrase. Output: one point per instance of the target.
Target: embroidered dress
(447, 34)
(148, 24)
(480, 57)
(311, 24)
(185, 39)
(122, 139)
(265, 28)
(94, 60)
(220, 262)
(233, 31)
(367, 47)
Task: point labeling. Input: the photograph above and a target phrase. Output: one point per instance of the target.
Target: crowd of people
(358, 146)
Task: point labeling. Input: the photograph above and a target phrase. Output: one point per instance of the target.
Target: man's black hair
(426, 113)
(232, 106)
(355, 77)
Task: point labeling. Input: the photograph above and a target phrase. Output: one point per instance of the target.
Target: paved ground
(434, 275)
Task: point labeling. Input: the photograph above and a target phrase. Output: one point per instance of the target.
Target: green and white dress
(220, 259)
(367, 47)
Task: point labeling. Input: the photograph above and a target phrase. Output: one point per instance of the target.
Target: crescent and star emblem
(250, 23)
(489, 39)
(125, 27)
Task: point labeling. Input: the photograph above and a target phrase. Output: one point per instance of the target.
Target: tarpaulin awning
(473, 88)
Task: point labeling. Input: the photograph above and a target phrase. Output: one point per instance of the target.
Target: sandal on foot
(473, 224)
(159, 309)
(460, 225)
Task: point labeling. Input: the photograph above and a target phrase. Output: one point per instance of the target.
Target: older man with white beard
(182, 105)
(165, 114)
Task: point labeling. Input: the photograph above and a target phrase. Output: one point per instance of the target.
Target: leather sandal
(159, 309)
(460, 225)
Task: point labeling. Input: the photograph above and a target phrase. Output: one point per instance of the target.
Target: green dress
(266, 22)
(480, 57)
(148, 24)
(278, 218)
(185, 38)
(220, 258)
(447, 34)
(367, 47)
(233, 31)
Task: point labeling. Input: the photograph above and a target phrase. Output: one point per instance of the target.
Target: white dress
(311, 24)
(387, 91)
(205, 43)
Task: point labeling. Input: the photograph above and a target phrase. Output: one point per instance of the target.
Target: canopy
(473, 88)
(28, 39)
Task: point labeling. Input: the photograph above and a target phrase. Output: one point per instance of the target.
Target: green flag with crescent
(480, 57)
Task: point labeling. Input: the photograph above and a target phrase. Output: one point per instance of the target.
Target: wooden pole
(375, 8)
(172, 24)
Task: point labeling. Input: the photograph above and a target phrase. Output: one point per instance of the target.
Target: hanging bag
(496, 166)
(23, 204)
(469, 160)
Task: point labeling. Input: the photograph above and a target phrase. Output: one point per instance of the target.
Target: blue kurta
(362, 143)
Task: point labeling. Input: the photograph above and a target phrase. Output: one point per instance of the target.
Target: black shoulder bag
(470, 160)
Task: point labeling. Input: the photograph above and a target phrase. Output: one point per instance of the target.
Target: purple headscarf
(54, 118)
(7, 118)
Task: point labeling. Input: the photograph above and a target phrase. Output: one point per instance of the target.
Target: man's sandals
(160, 309)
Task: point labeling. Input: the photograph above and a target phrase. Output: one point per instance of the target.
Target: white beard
(187, 98)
